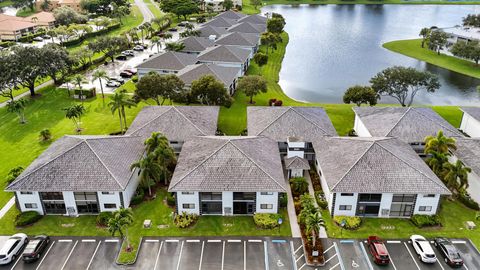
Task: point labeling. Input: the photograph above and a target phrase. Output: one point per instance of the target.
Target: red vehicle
(378, 250)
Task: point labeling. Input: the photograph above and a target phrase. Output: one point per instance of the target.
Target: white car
(423, 249)
(12, 248)
(113, 84)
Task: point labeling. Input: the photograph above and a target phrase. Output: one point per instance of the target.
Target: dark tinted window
(13, 246)
(370, 197)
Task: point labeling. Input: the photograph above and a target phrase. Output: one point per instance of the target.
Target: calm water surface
(333, 47)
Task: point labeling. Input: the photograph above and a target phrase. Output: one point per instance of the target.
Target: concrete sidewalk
(7, 207)
(323, 232)
(292, 216)
(26, 93)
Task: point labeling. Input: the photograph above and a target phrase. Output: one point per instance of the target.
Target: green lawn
(156, 11)
(6, 3)
(453, 216)
(25, 12)
(413, 48)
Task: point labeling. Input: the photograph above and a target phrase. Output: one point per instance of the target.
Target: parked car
(118, 79)
(131, 70)
(449, 252)
(378, 250)
(113, 84)
(138, 48)
(125, 74)
(173, 29)
(35, 248)
(128, 53)
(423, 249)
(12, 248)
(182, 24)
(38, 39)
(46, 37)
(121, 57)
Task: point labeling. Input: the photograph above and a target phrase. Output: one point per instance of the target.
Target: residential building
(12, 28)
(211, 32)
(222, 175)
(376, 177)
(216, 5)
(254, 19)
(230, 14)
(80, 175)
(296, 166)
(471, 121)
(226, 56)
(227, 75)
(462, 34)
(43, 19)
(221, 22)
(196, 45)
(245, 41)
(249, 28)
(468, 152)
(53, 4)
(177, 123)
(166, 63)
(293, 128)
(410, 125)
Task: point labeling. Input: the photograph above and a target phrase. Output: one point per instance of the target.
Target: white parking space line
(223, 254)
(158, 256)
(45, 255)
(440, 264)
(214, 241)
(394, 242)
(69, 254)
(151, 241)
(340, 260)
(331, 258)
(88, 240)
(293, 256)
(111, 241)
(16, 262)
(172, 240)
(234, 241)
(265, 248)
(301, 257)
(201, 256)
(364, 251)
(333, 267)
(193, 241)
(303, 265)
(65, 240)
(459, 242)
(391, 261)
(244, 255)
(93, 256)
(464, 266)
(323, 251)
(255, 241)
(180, 255)
(411, 255)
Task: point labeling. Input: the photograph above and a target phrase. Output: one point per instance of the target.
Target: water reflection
(333, 47)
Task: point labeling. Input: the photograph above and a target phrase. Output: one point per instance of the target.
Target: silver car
(12, 248)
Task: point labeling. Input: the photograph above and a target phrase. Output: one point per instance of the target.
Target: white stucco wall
(29, 198)
(130, 188)
(325, 188)
(190, 199)
(385, 204)
(113, 198)
(267, 199)
(470, 125)
(296, 153)
(69, 200)
(360, 128)
(426, 201)
(345, 200)
(227, 202)
(296, 173)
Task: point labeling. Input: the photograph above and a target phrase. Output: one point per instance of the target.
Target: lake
(333, 47)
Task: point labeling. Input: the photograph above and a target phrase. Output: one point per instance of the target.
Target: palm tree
(436, 161)
(424, 33)
(100, 74)
(75, 113)
(299, 185)
(156, 42)
(18, 107)
(313, 223)
(78, 80)
(119, 221)
(439, 144)
(456, 176)
(155, 140)
(149, 171)
(118, 103)
(165, 156)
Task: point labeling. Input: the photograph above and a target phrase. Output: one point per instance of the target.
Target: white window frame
(266, 193)
(345, 207)
(268, 206)
(188, 193)
(31, 206)
(110, 204)
(424, 208)
(188, 206)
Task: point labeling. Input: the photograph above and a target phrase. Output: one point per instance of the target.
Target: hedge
(77, 41)
(27, 218)
(351, 223)
(425, 220)
(103, 217)
(468, 202)
(185, 220)
(266, 220)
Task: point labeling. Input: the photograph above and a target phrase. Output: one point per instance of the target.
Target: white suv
(12, 248)
(423, 249)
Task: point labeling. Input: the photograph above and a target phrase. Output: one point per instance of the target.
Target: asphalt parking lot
(244, 253)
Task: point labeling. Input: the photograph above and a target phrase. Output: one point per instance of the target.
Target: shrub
(352, 133)
(45, 135)
(468, 202)
(27, 218)
(320, 198)
(138, 197)
(185, 220)
(299, 186)
(266, 220)
(170, 199)
(351, 223)
(13, 174)
(271, 101)
(103, 217)
(425, 220)
(278, 103)
(135, 79)
(283, 201)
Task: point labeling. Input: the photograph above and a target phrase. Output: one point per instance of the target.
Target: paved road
(147, 14)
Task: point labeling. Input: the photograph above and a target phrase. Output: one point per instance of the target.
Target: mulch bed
(319, 260)
(315, 180)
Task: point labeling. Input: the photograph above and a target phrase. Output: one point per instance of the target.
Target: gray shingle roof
(374, 165)
(177, 123)
(169, 61)
(254, 19)
(208, 31)
(220, 22)
(222, 163)
(472, 111)
(239, 39)
(226, 75)
(231, 15)
(296, 163)
(407, 124)
(246, 27)
(224, 54)
(468, 151)
(279, 123)
(196, 44)
(82, 163)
